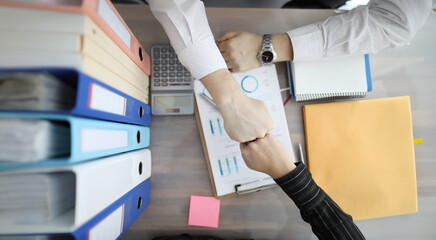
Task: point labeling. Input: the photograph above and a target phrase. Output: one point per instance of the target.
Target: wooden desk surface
(179, 169)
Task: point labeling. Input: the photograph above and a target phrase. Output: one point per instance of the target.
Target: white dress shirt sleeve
(366, 29)
(186, 25)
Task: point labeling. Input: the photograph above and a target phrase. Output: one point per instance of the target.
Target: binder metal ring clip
(246, 186)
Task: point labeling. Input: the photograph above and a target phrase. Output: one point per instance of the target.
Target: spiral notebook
(329, 79)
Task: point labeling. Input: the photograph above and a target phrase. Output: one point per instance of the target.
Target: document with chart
(223, 156)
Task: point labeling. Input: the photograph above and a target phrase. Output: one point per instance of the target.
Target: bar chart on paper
(228, 165)
(216, 127)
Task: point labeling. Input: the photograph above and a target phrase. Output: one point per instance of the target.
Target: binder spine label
(109, 228)
(105, 11)
(100, 139)
(104, 100)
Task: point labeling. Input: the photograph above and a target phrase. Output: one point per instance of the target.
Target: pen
(208, 99)
(301, 154)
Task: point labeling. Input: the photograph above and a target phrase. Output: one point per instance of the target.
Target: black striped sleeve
(326, 218)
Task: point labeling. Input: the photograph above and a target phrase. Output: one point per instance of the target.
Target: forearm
(186, 25)
(187, 28)
(283, 46)
(326, 218)
(222, 87)
(366, 29)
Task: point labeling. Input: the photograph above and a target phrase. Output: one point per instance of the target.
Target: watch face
(267, 56)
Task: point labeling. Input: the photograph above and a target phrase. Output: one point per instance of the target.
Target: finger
(227, 35)
(237, 69)
(250, 142)
(243, 147)
(245, 152)
(229, 65)
(223, 46)
(261, 135)
(225, 55)
(269, 135)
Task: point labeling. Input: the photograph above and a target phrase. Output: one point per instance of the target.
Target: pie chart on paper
(249, 84)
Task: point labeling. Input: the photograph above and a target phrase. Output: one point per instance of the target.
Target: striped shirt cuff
(301, 188)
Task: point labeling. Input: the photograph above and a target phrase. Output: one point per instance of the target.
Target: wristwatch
(267, 55)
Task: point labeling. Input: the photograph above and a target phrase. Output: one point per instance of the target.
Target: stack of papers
(32, 140)
(26, 237)
(35, 198)
(35, 91)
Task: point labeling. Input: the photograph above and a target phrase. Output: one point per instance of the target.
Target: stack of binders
(74, 117)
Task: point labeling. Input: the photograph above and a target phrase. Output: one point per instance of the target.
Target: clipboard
(228, 172)
(240, 188)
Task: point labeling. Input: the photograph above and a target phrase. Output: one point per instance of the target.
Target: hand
(245, 119)
(267, 155)
(240, 49)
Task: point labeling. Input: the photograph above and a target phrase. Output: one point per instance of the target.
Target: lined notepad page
(227, 166)
(344, 77)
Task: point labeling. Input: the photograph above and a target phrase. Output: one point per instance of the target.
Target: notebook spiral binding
(328, 96)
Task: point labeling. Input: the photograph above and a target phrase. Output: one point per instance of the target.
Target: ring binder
(94, 99)
(97, 191)
(89, 139)
(103, 14)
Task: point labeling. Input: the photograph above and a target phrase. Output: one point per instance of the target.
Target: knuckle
(231, 44)
(243, 150)
(236, 69)
(252, 146)
(224, 45)
(260, 134)
(221, 47)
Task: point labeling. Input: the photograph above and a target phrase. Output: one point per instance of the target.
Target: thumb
(227, 35)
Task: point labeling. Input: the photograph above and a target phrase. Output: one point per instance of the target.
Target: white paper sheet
(228, 167)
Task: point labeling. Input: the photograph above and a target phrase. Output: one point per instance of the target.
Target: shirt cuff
(202, 58)
(301, 188)
(307, 43)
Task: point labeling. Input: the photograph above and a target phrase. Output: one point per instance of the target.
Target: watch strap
(266, 42)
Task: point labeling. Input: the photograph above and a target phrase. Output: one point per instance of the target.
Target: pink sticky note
(204, 211)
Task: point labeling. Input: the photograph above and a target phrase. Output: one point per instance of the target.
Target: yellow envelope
(362, 154)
